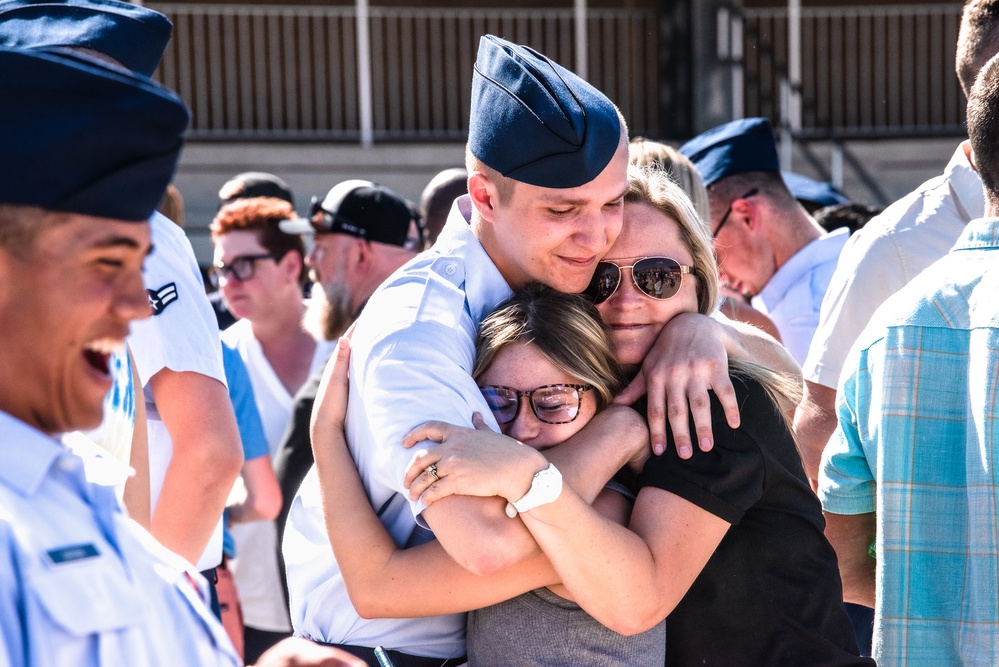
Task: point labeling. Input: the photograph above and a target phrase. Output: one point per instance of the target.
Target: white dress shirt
(886, 254)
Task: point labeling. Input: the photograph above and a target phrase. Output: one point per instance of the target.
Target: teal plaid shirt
(917, 443)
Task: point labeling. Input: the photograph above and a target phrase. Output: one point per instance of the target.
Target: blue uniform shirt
(411, 361)
(80, 583)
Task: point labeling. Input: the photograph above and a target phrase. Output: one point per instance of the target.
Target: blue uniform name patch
(72, 553)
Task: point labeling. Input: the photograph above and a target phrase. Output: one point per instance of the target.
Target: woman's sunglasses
(656, 277)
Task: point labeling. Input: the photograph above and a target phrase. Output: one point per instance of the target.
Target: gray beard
(328, 314)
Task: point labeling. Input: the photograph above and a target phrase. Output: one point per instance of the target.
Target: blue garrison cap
(134, 36)
(810, 190)
(535, 121)
(80, 137)
(733, 148)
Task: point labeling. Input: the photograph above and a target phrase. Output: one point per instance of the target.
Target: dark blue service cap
(810, 190)
(742, 145)
(535, 121)
(134, 36)
(80, 137)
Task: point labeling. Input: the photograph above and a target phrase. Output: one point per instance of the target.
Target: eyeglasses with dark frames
(241, 268)
(656, 277)
(551, 403)
(752, 192)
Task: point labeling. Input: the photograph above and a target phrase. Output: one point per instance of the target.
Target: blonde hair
(681, 170)
(565, 328)
(651, 185)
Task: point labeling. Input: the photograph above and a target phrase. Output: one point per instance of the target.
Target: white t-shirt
(255, 568)
(182, 335)
(886, 254)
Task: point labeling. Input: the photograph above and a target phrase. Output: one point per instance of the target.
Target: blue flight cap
(807, 189)
(81, 137)
(535, 121)
(742, 145)
(134, 36)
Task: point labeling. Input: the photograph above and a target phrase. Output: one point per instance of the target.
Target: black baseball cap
(363, 209)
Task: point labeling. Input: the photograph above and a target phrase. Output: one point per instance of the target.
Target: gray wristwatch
(545, 488)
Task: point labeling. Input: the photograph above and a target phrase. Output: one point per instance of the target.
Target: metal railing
(292, 72)
(865, 71)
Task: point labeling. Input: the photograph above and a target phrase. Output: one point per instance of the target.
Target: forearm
(206, 459)
(384, 581)
(852, 536)
(609, 570)
(190, 504)
(261, 500)
(592, 457)
(628, 579)
(137, 494)
(814, 423)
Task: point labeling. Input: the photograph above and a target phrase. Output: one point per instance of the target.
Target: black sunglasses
(656, 277)
(241, 268)
(728, 211)
(551, 403)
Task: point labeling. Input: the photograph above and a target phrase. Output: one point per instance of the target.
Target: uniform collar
(980, 233)
(826, 247)
(966, 184)
(26, 455)
(485, 286)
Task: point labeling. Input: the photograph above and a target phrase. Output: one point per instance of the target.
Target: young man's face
(556, 236)
(65, 304)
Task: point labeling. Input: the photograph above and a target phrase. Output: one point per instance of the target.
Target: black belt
(398, 658)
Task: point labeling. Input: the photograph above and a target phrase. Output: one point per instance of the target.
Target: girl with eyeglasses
(546, 366)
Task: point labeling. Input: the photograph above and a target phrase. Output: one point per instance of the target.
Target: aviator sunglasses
(656, 277)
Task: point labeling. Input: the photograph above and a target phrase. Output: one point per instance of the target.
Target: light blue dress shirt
(917, 443)
(81, 585)
(792, 298)
(412, 355)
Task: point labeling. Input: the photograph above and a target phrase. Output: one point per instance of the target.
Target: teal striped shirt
(917, 444)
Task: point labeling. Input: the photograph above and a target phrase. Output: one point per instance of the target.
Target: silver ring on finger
(432, 471)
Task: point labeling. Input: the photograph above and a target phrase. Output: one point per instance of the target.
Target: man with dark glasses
(768, 246)
(547, 161)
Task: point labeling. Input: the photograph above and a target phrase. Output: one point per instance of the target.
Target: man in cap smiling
(768, 247)
(88, 153)
(547, 162)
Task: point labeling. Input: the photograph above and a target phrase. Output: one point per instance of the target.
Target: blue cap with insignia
(134, 36)
(535, 121)
(811, 191)
(80, 137)
(742, 145)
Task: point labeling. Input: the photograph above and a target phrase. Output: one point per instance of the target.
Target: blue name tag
(72, 553)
